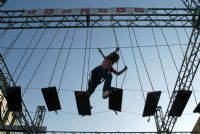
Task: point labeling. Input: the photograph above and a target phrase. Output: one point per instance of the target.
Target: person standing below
(104, 72)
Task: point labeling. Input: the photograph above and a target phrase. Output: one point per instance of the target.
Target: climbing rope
(142, 59)
(59, 53)
(161, 63)
(117, 45)
(89, 49)
(135, 61)
(28, 59)
(84, 62)
(67, 58)
(42, 59)
(12, 44)
(25, 52)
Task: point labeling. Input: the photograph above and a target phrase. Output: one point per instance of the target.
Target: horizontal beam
(155, 17)
(8, 128)
(96, 132)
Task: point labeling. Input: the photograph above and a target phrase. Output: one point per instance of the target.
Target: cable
(159, 56)
(143, 59)
(45, 53)
(30, 55)
(90, 43)
(169, 49)
(85, 52)
(117, 44)
(80, 48)
(25, 52)
(138, 74)
(58, 57)
(100, 112)
(67, 59)
(12, 44)
(98, 90)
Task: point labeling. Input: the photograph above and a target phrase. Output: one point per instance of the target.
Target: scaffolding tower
(20, 120)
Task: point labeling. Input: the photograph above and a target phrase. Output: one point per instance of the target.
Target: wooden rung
(83, 102)
(14, 98)
(180, 102)
(51, 98)
(151, 103)
(115, 99)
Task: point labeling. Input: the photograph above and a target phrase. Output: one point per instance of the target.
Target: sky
(32, 77)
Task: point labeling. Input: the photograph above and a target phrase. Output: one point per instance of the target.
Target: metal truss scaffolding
(24, 121)
(186, 73)
(156, 17)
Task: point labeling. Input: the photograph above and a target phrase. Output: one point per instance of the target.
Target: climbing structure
(121, 18)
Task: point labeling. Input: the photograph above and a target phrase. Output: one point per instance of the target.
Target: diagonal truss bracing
(156, 17)
(185, 77)
(23, 117)
(191, 3)
(186, 73)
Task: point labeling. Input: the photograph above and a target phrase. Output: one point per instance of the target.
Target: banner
(85, 11)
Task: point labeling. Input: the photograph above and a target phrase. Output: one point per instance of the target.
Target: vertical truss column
(158, 118)
(23, 117)
(186, 75)
(39, 116)
(187, 72)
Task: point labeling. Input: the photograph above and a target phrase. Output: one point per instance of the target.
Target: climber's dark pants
(97, 74)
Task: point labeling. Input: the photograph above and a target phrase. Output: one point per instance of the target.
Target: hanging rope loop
(84, 62)
(118, 49)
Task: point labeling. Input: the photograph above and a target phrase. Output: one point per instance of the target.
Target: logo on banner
(85, 11)
(140, 10)
(104, 10)
(31, 12)
(48, 11)
(121, 10)
(65, 11)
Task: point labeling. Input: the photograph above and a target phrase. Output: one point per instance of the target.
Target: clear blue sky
(102, 119)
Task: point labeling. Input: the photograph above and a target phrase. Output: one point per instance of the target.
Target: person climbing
(104, 72)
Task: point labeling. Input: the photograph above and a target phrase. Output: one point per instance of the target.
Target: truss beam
(156, 17)
(8, 128)
(39, 116)
(185, 77)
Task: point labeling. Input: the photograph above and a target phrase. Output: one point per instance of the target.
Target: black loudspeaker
(51, 98)
(83, 102)
(14, 98)
(180, 102)
(115, 99)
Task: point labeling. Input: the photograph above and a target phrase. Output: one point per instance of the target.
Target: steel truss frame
(156, 17)
(186, 73)
(23, 117)
(191, 3)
